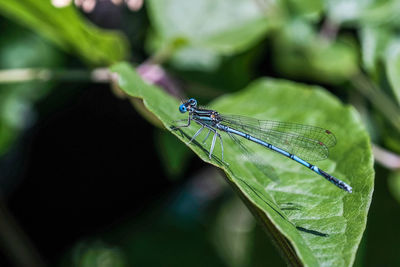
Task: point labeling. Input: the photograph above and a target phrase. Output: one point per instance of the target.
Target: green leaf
(309, 9)
(94, 253)
(381, 12)
(341, 11)
(313, 222)
(173, 153)
(68, 29)
(373, 43)
(22, 49)
(233, 74)
(362, 13)
(300, 53)
(392, 62)
(394, 185)
(228, 28)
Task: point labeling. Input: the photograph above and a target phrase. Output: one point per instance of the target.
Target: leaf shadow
(310, 231)
(290, 206)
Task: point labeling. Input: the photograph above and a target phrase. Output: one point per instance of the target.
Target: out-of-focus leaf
(158, 240)
(174, 154)
(233, 241)
(22, 49)
(313, 222)
(16, 113)
(341, 11)
(66, 28)
(361, 13)
(383, 219)
(394, 185)
(311, 9)
(232, 74)
(392, 62)
(391, 139)
(301, 54)
(360, 257)
(373, 43)
(381, 12)
(95, 253)
(210, 28)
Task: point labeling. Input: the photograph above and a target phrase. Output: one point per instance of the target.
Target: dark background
(83, 166)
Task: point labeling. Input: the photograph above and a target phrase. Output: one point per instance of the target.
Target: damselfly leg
(216, 134)
(205, 139)
(210, 129)
(196, 134)
(182, 126)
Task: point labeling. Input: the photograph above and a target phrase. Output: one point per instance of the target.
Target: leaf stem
(100, 75)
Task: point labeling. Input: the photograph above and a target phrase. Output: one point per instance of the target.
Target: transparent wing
(307, 142)
(263, 167)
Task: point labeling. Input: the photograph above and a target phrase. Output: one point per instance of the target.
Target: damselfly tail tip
(350, 190)
(346, 187)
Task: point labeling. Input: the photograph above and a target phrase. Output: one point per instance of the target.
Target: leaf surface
(392, 62)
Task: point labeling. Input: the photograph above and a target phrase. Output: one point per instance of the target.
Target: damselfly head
(191, 103)
(182, 108)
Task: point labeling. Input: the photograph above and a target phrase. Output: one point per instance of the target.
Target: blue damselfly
(295, 141)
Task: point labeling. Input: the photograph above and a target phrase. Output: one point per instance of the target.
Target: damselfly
(295, 141)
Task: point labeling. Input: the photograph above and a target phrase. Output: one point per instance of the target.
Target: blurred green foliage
(229, 27)
(68, 30)
(217, 47)
(95, 253)
(174, 155)
(22, 49)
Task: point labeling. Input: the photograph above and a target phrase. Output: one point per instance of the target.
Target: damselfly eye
(193, 102)
(182, 108)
